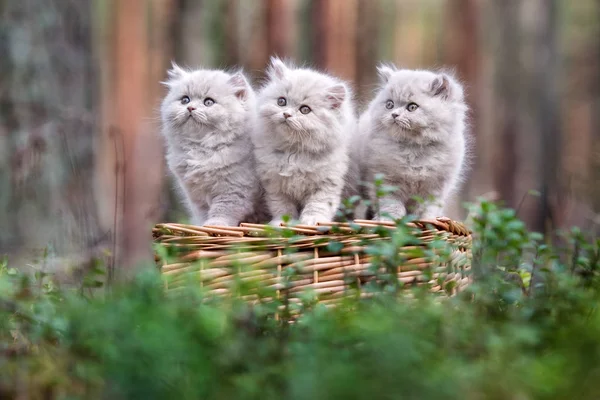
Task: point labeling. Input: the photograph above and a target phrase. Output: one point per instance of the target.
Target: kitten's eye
(208, 102)
(412, 107)
(389, 104)
(281, 102)
(185, 100)
(305, 109)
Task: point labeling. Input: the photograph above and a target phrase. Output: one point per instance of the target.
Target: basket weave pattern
(212, 258)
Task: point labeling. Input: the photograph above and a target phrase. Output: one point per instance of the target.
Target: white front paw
(276, 222)
(220, 222)
(389, 215)
(312, 220)
(383, 218)
(432, 213)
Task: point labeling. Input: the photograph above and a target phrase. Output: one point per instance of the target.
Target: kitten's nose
(394, 115)
(190, 108)
(286, 115)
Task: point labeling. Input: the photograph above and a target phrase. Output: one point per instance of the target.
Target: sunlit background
(82, 171)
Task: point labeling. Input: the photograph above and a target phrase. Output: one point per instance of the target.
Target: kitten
(301, 140)
(207, 117)
(413, 132)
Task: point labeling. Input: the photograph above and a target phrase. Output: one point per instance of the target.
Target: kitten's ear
(385, 73)
(442, 87)
(277, 69)
(240, 84)
(176, 72)
(336, 95)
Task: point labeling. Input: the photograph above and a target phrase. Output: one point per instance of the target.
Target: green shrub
(528, 328)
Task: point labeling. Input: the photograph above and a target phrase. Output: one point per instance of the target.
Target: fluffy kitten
(301, 139)
(413, 132)
(207, 118)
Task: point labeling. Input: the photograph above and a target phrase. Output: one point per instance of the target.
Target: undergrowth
(528, 328)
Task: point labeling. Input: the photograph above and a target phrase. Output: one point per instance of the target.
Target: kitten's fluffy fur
(421, 152)
(302, 157)
(209, 149)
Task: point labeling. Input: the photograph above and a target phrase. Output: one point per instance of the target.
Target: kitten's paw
(313, 219)
(383, 218)
(220, 222)
(276, 222)
(432, 213)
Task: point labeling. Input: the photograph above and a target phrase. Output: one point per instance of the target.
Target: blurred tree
(546, 78)
(231, 54)
(198, 21)
(367, 55)
(409, 34)
(47, 127)
(461, 51)
(334, 36)
(137, 57)
(252, 30)
(319, 30)
(280, 27)
(539, 136)
(507, 85)
(386, 26)
(527, 109)
(595, 156)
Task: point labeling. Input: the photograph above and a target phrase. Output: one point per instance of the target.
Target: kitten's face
(205, 98)
(417, 104)
(301, 105)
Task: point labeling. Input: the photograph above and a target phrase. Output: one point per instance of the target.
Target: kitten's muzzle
(400, 122)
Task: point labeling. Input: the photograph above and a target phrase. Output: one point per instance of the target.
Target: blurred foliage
(503, 338)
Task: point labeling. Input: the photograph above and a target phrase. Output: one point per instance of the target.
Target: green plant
(504, 338)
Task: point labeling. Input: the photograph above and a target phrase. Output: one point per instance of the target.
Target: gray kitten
(207, 118)
(305, 119)
(413, 132)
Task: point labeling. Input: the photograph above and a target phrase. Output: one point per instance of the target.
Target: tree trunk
(539, 138)
(409, 34)
(506, 88)
(367, 54)
(47, 128)
(334, 36)
(280, 27)
(546, 78)
(594, 182)
(138, 61)
(461, 51)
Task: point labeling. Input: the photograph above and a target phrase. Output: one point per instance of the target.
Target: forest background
(82, 171)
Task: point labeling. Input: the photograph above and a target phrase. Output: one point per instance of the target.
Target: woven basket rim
(443, 224)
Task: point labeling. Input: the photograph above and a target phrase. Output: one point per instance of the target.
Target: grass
(528, 328)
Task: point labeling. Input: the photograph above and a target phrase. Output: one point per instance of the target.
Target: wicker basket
(216, 258)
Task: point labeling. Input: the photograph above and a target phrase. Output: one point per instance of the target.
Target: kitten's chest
(206, 162)
(413, 164)
(289, 165)
(295, 175)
